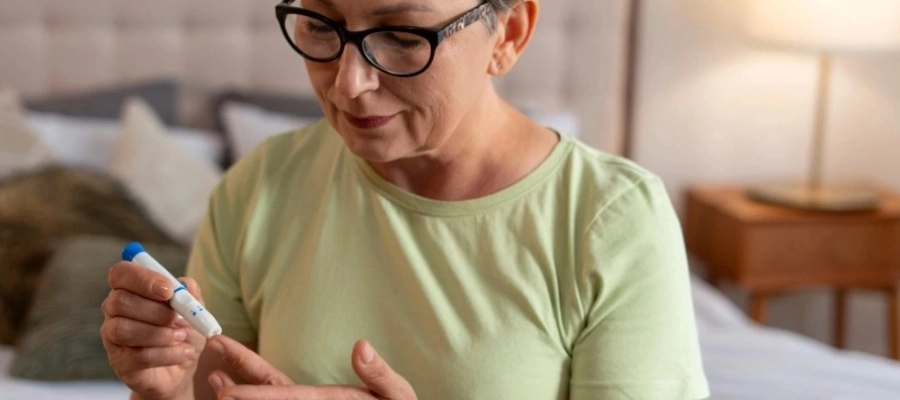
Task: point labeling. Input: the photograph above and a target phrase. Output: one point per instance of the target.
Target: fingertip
(190, 283)
(192, 287)
(215, 382)
(368, 354)
(115, 272)
(227, 379)
(363, 352)
(215, 346)
(219, 380)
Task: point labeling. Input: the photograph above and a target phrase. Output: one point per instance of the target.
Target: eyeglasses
(402, 51)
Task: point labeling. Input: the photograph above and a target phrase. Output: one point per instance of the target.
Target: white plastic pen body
(182, 301)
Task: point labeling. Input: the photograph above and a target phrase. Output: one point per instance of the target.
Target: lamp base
(844, 198)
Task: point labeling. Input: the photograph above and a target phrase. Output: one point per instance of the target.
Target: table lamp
(823, 27)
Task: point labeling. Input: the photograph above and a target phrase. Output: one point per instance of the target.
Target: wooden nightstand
(767, 250)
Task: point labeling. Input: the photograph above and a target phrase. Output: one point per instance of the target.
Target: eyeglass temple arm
(468, 19)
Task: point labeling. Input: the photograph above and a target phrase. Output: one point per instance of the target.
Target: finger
(247, 363)
(140, 281)
(253, 392)
(122, 303)
(128, 360)
(128, 332)
(193, 288)
(377, 375)
(219, 380)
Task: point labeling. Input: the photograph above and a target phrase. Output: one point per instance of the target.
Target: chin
(373, 149)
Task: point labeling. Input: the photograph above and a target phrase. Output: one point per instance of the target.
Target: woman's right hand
(150, 347)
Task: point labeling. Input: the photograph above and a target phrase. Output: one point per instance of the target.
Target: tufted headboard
(577, 59)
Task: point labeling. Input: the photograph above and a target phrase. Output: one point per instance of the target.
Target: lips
(369, 122)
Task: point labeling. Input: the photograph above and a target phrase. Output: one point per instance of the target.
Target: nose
(355, 75)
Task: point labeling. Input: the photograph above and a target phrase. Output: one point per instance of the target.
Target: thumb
(378, 376)
(249, 365)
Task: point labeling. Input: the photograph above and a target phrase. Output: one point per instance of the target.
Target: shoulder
(606, 183)
(278, 160)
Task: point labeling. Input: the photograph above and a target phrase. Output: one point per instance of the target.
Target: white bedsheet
(20, 389)
(763, 363)
(744, 361)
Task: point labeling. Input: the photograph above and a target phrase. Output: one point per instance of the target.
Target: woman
(483, 255)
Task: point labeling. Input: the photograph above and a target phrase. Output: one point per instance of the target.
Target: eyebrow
(391, 9)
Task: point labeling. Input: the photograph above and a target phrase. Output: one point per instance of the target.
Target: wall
(715, 107)
(574, 64)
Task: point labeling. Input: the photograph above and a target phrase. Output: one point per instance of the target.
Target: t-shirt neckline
(424, 205)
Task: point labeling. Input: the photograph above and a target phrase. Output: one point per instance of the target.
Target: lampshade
(827, 25)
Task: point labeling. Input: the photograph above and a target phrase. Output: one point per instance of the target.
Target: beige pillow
(173, 185)
(20, 148)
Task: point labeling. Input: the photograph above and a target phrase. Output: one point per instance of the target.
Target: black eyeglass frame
(433, 36)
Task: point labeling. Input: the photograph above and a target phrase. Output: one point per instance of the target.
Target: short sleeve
(213, 262)
(639, 340)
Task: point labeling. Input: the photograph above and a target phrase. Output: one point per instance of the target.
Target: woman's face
(383, 118)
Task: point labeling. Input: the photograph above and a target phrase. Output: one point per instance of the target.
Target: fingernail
(368, 353)
(217, 347)
(189, 352)
(216, 382)
(161, 289)
(180, 335)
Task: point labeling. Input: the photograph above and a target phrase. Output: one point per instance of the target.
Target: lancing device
(182, 301)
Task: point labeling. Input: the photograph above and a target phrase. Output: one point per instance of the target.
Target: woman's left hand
(266, 382)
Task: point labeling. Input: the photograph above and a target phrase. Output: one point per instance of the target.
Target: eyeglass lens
(394, 51)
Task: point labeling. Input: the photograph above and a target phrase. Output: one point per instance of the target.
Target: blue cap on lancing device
(132, 250)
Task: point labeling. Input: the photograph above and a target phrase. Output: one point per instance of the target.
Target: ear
(514, 30)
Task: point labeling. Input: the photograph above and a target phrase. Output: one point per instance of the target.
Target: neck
(493, 148)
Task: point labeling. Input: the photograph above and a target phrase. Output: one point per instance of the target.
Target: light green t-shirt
(570, 284)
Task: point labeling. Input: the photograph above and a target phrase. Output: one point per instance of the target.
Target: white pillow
(205, 145)
(173, 185)
(91, 142)
(247, 125)
(77, 141)
(20, 148)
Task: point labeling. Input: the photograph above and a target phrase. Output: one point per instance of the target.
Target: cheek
(442, 95)
(430, 104)
(321, 77)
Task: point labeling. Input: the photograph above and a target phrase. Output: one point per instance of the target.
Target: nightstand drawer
(763, 247)
(847, 250)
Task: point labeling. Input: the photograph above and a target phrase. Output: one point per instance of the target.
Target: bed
(19, 389)
(742, 361)
(76, 63)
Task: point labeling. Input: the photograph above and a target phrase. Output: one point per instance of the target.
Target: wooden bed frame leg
(759, 304)
(840, 318)
(894, 321)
